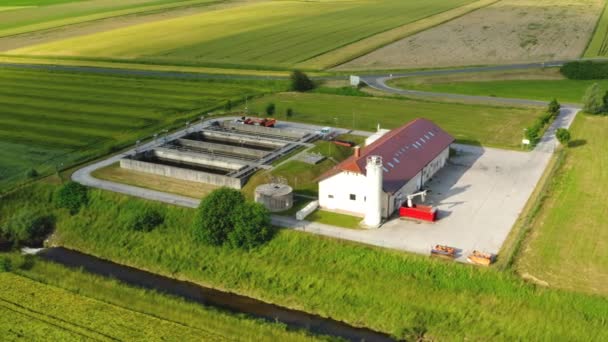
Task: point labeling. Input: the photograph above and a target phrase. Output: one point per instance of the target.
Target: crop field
(54, 119)
(510, 31)
(568, 247)
(468, 123)
(268, 33)
(598, 47)
(45, 14)
(539, 85)
(440, 301)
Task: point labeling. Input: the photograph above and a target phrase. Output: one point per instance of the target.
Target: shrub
(554, 107)
(585, 70)
(28, 226)
(593, 101)
(289, 113)
(301, 82)
(5, 264)
(270, 109)
(563, 136)
(31, 173)
(147, 219)
(214, 218)
(71, 196)
(251, 226)
(228, 106)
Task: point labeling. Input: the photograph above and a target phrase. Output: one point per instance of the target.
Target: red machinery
(417, 211)
(267, 122)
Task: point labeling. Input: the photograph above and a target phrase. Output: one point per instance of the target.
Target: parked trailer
(267, 122)
(481, 258)
(419, 212)
(443, 251)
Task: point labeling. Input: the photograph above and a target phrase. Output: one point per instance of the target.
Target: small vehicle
(480, 258)
(443, 251)
(266, 122)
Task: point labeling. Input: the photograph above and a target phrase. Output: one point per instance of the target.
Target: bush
(301, 82)
(146, 220)
(27, 226)
(251, 226)
(593, 101)
(228, 106)
(31, 173)
(563, 136)
(72, 196)
(289, 113)
(554, 107)
(585, 70)
(5, 264)
(270, 109)
(214, 219)
(533, 133)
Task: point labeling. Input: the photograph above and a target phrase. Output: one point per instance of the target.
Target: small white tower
(373, 203)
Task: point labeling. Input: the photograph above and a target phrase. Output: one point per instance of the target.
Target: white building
(407, 157)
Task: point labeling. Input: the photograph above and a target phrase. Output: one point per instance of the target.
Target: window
(353, 197)
(330, 196)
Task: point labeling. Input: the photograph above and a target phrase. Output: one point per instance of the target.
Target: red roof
(405, 151)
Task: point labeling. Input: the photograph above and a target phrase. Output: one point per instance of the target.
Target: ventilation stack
(373, 203)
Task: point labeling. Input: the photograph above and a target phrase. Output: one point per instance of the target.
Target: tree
(301, 82)
(289, 113)
(228, 106)
(554, 107)
(31, 173)
(593, 101)
(251, 226)
(147, 219)
(27, 226)
(563, 136)
(5, 264)
(71, 196)
(270, 109)
(214, 219)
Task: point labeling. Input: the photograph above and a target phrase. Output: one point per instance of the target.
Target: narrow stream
(211, 297)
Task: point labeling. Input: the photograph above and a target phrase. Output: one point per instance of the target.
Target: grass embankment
(568, 244)
(45, 301)
(268, 33)
(402, 294)
(534, 85)
(44, 15)
(468, 123)
(56, 119)
(598, 46)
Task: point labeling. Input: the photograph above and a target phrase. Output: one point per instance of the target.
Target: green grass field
(568, 246)
(598, 46)
(45, 301)
(468, 123)
(565, 91)
(269, 33)
(52, 118)
(405, 295)
(46, 14)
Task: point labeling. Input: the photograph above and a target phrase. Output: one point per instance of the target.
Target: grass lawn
(565, 91)
(267, 33)
(598, 46)
(46, 301)
(57, 119)
(568, 246)
(46, 14)
(406, 295)
(335, 219)
(468, 123)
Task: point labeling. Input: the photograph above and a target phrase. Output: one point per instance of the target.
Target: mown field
(598, 46)
(45, 301)
(51, 120)
(345, 281)
(468, 123)
(269, 33)
(545, 88)
(568, 247)
(45, 14)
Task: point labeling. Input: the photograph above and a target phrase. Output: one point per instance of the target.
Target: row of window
(352, 197)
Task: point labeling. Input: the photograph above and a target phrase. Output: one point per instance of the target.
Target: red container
(419, 212)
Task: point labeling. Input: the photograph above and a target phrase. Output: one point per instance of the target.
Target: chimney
(357, 152)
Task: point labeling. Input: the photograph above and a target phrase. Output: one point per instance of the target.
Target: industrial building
(376, 179)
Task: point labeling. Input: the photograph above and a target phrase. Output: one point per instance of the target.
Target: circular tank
(275, 197)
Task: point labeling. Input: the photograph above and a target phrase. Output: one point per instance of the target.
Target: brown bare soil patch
(510, 31)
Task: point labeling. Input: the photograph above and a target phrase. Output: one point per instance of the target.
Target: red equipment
(419, 212)
(260, 122)
(344, 143)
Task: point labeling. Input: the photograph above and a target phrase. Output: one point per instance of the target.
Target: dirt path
(45, 36)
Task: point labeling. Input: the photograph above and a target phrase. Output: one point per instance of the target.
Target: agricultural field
(45, 14)
(332, 278)
(568, 244)
(45, 301)
(539, 84)
(510, 31)
(468, 123)
(267, 33)
(598, 47)
(52, 120)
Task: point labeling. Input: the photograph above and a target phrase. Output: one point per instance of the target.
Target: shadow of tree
(577, 143)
